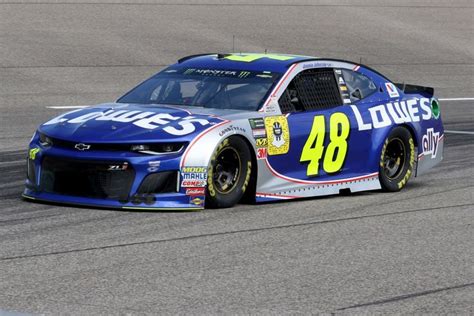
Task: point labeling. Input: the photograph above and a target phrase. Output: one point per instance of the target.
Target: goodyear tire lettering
(407, 176)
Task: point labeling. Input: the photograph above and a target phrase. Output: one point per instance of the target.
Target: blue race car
(216, 129)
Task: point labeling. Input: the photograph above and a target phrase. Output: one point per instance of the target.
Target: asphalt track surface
(377, 253)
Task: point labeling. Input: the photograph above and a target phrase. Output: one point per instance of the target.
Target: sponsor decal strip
(276, 196)
(368, 176)
(199, 137)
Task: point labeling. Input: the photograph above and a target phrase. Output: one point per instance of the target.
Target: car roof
(243, 61)
(256, 62)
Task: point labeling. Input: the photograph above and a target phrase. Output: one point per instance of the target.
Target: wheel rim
(226, 171)
(394, 158)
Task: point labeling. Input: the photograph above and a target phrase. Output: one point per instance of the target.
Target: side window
(358, 85)
(310, 90)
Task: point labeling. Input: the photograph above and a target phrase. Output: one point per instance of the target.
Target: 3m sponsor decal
(278, 135)
(171, 124)
(383, 115)
(193, 177)
(261, 153)
(33, 152)
(430, 142)
(392, 90)
(195, 191)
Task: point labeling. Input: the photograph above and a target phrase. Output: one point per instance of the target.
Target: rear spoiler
(412, 89)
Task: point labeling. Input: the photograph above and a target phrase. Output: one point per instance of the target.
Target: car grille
(59, 143)
(104, 180)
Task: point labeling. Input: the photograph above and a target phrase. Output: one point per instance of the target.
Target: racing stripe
(289, 179)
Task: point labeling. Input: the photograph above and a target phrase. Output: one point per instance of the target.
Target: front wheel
(228, 173)
(397, 160)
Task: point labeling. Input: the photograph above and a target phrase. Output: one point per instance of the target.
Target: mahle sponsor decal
(193, 177)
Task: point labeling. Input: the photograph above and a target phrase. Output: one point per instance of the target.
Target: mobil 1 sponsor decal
(193, 177)
(383, 115)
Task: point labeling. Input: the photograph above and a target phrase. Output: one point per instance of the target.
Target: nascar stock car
(216, 129)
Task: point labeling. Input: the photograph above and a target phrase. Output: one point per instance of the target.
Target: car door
(317, 138)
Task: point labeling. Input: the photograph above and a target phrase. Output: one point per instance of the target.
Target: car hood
(117, 122)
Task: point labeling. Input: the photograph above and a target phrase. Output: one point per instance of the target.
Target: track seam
(407, 296)
(229, 232)
(236, 5)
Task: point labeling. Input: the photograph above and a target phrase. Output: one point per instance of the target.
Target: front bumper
(56, 175)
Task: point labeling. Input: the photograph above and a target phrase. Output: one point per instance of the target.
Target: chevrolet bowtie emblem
(82, 146)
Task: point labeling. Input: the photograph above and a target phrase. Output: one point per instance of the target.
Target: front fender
(200, 149)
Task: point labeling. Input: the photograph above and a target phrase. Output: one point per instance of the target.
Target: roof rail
(343, 61)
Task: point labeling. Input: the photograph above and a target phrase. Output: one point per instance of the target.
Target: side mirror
(357, 94)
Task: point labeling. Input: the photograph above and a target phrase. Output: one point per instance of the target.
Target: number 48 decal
(335, 152)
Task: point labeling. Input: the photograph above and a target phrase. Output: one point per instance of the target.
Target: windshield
(210, 88)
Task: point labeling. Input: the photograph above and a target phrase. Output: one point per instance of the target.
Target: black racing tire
(397, 160)
(228, 173)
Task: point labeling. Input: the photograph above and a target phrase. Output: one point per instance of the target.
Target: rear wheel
(228, 173)
(397, 160)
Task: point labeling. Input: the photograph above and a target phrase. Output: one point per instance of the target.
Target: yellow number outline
(314, 149)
